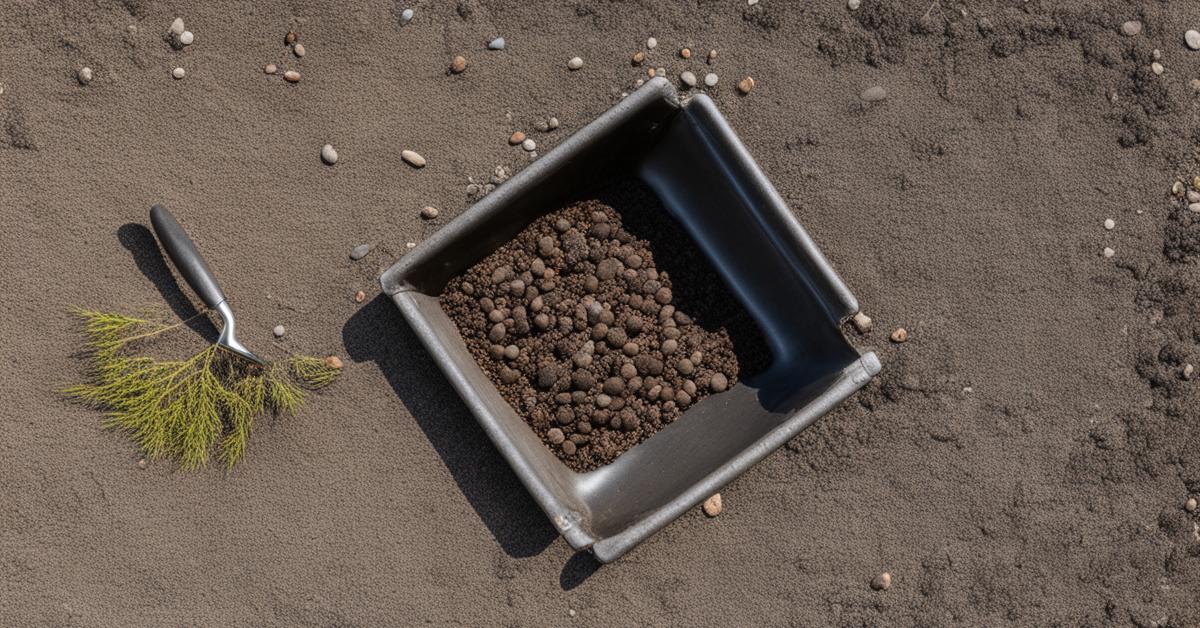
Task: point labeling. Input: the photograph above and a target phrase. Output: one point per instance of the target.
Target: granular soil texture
(583, 333)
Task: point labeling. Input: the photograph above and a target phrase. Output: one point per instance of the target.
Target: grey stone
(360, 251)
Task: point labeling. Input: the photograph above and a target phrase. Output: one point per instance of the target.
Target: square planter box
(688, 156)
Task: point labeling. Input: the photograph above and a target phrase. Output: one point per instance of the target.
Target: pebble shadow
(140, 243)
(378, 333)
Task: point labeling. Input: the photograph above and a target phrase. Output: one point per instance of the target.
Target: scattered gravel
(688, 79)
(651, 43)
(458, 64)
(712, 505)
(496, 44)
(882, 582)
(1131, 28)
(413, 159)
(874, 94)
(84, 75)
(1109, 224)
(406, 16)
(710, 79)
(529, 145)
(298, 50)
(429, 212)
(328, 154)
(280, 330)
(1192, 39)
(360, 251)
(291, 76)
(862, 323)
(899, 335)
(746, 85)
(187, 37)
(270, 68)
(575, 63)
(178, 73)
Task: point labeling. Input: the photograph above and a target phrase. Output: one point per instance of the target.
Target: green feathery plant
(190, 409)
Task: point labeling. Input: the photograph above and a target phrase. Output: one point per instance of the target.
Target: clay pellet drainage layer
(577, 323)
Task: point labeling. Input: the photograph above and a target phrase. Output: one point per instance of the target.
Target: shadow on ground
(378, 333)
(142, 245)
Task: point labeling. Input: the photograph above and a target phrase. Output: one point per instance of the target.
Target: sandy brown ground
(967, 207)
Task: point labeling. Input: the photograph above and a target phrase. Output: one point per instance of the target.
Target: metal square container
(686, 153)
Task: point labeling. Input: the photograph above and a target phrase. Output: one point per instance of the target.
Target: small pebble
(571, 611)
(688, 79)
(1157, 68)
(516, 138)
(1190, 505)
(1108, 252)
(328, 154)
(685, 53)
(555, 435)
(290, 38)
(1157, 54)
(882, 582)
(291, 76)
(712, 55)
(718, 382)
(458, 64)
(874, 94)
(1193, 196)
(186, 38)
(651, 72)
(406, 16)
(651, 43)
(746, 85)
(751, 2)
(1196, 182)
(710, 79)
(178, 73)
(712, 505)
(575, 63)
(529, 145)
(1188, 370)
(413, 159)
(1131, 28)
(333, 362)
(279, 331)
(429, 212)
(552, 123)
(639, 57)
(298, 50)
(1178, 188)
(862, 323)
(1195, 207)
(84, 76)
(1192, 38)
(270, 68)
(1109, 224)
(899, 335)
(497, 44)
(1195, 83)
(176, 27)
(853, 4)
(360, 296)
(360, 251)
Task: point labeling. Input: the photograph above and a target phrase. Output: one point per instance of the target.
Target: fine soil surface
(582, 334)
(1024, 458)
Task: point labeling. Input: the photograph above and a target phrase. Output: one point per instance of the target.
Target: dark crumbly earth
(579, 329)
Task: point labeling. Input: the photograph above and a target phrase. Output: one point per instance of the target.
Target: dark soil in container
(602, 326)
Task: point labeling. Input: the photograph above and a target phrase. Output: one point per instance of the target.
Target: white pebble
(853, 4)
(874, 94)
(651, 43)
(328, 154)
(751, 2)
(529, 145)
(279, 331)
(710, 79)
(406, 16)
(552, 123)
(1157, 67)
(186, 38)
(575, 63)
(1195, 207)
(1131, 28)
(176, 27)
(1193, 196)
(688, 79)
(1108, 252)
(496, 44)
(178, 73)
(413, 158)
(1192, 38)
(1109, 224)
(85, 75)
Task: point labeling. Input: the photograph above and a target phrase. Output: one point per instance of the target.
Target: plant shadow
(142, 245)
(378, 333)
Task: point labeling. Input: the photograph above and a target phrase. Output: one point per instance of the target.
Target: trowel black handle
(179, 248)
